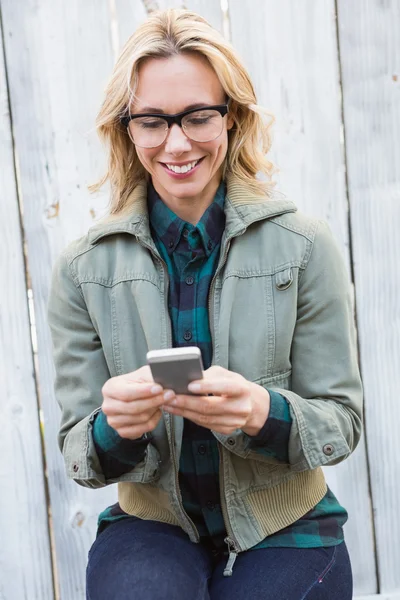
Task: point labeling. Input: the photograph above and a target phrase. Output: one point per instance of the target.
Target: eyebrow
(152, 109)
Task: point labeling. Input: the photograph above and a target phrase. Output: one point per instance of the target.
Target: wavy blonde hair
(165, 34)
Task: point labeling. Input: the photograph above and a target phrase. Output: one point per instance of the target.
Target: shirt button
(210, 505)
(209, 245)
(328, 449)
(189, 280)
(202, 449)
(187, 336)
(170, 243)
(185, 233)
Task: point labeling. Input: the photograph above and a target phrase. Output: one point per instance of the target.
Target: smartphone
(175, 368)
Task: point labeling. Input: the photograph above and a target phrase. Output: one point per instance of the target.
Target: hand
(235, 403)
(132, 403)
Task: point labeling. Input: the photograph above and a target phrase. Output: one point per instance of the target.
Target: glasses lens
(203, 125)
(148, 132)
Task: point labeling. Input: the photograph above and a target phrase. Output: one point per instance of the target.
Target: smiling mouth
(184, 168)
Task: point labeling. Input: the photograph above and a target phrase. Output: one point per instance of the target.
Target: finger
(126, 391)
(217, 371)
(217, 422)
(199, 404)
(218, 387)
(136, 431)
(118, 421)
(143, 374)
(113, 406)
(210, 405)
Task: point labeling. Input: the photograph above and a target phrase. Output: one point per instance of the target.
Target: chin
(184, 189)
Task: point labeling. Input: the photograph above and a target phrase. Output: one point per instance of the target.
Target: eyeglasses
(200, 125)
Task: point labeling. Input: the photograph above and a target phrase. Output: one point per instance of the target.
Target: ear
(230, 122)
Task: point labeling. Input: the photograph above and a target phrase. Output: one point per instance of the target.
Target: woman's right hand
(132, 403)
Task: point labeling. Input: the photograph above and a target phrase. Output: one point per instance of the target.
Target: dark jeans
(154, 561)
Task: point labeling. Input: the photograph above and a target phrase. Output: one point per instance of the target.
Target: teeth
(183, 169)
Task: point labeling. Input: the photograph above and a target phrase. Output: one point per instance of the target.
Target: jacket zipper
(230, 540)
(186, 517)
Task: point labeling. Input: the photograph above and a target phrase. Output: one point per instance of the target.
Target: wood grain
(370, 51)
(23, 506)
(209, 9)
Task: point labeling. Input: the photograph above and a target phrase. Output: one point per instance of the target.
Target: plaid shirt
(191, 254)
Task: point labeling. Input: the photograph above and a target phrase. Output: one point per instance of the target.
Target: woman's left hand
(235, 403)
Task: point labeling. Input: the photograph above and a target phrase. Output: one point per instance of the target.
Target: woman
(220, 492)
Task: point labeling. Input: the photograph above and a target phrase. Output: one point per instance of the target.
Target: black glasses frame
(171, 119)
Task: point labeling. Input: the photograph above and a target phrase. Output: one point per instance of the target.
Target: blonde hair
(165, 34)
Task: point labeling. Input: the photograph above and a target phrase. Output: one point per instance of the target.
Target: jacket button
(231, 441)
(202, 449)
(187, 335)
(75, 468)
(328, 449)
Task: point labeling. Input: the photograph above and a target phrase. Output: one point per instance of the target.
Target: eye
(149, 123)
(198, 120)
(202, 117)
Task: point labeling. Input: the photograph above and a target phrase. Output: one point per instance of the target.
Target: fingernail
(156, 389)
(194, 387)
(169, 395)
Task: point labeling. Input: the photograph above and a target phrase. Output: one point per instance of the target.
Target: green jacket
(280, 314)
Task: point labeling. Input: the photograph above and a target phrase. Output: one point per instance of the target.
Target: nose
(177, 142)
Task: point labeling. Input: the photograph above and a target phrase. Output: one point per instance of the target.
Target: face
(171, 85)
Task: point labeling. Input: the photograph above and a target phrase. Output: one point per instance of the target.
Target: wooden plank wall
(24, 531)
(333, 82)
(370, 59)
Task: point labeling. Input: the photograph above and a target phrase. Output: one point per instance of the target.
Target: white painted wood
(209, 9)
(370, 51)
(128, 16)
(25, 562)
(59, 56)
(291, 52)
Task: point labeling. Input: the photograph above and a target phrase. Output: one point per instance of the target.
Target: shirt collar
(169, 227)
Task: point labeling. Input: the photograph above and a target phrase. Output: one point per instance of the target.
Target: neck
(189, 209)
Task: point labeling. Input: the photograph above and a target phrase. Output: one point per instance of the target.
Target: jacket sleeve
(325, 395)
(81, 371)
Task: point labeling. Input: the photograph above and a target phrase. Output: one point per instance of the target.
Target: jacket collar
(241, 209)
